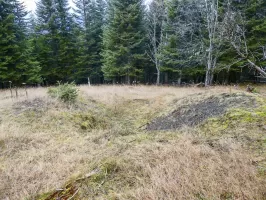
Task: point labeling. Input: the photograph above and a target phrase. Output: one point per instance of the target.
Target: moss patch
(195, 113)
(88, 121)
(240, 118)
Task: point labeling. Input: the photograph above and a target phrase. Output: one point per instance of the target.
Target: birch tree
(156, 18)
(235, 33)
(211, 12)
(183, 38)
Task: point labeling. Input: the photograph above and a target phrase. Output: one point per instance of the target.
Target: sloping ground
(175, 169)
(97, 150)
(196, 112)
(168, 165)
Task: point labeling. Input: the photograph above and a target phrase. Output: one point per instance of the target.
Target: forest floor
(126, 142)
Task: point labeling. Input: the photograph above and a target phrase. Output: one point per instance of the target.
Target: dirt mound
(35, 105)
(193, 112)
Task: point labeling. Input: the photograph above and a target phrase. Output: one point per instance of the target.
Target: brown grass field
(101, 148)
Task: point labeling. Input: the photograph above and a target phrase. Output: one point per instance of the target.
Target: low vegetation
(67, 93)
(125, 142)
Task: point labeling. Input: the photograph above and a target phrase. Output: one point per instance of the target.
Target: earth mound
(193, 112)
(35, 105)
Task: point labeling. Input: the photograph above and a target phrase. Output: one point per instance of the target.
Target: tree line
(118, 41)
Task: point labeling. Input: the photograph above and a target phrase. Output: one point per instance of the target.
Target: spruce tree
(15, 62)
(9, 50)
(67, 48)
(96, 39)
(255, 14)
(47, 40)
(55, 40)
(123, 41)
(182, 39)
(31, 53)
(90, 16)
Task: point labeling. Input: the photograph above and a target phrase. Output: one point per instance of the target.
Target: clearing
(125, 142)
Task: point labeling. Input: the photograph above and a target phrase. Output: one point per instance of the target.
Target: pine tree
(31, 54)
(90, 17)
(55, 40)
(47, 40)
(28, 65)
(182, 39)
(123, 40)
(9, 49)
(96, 39)
(14, 59)
(255, 14)
(171, 49)
(31, 74)
(67, 48)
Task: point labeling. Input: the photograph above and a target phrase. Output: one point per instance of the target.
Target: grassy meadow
(134, 142)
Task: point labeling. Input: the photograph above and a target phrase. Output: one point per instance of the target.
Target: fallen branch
(73, 185)
(73, 195)
(88, 175)
(263, 73)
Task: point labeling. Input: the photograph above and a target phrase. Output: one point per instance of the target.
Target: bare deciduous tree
(198, 28)
(156, 17)
(235, 33)
(211, 12)
(183, 37)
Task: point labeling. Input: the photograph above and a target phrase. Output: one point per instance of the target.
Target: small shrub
(67, 92)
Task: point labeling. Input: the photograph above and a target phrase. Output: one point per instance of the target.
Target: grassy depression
(203, 144)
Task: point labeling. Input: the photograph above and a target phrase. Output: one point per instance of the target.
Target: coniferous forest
(125, 42)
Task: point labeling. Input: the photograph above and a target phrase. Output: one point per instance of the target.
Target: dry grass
(184, 170)
(43, 146)
(110, 94)
(6, 100)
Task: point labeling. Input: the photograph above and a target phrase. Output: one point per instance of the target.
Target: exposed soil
(192, 112)
(35, 105)
(41, 105)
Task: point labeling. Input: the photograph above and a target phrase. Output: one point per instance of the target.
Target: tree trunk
(212, 77)
(227, 75)
(263, 73)
(166, 77)
(127, 79)
(89, 82)
(180, 78)
(208, 78)
(158, 76)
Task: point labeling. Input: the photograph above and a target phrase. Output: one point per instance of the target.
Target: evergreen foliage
(67, 92)
(111, 41)
(16, 63)
(89, 15)
(123, 41)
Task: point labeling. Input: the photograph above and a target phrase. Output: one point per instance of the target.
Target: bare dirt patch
(193, 112)
(35, 105)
